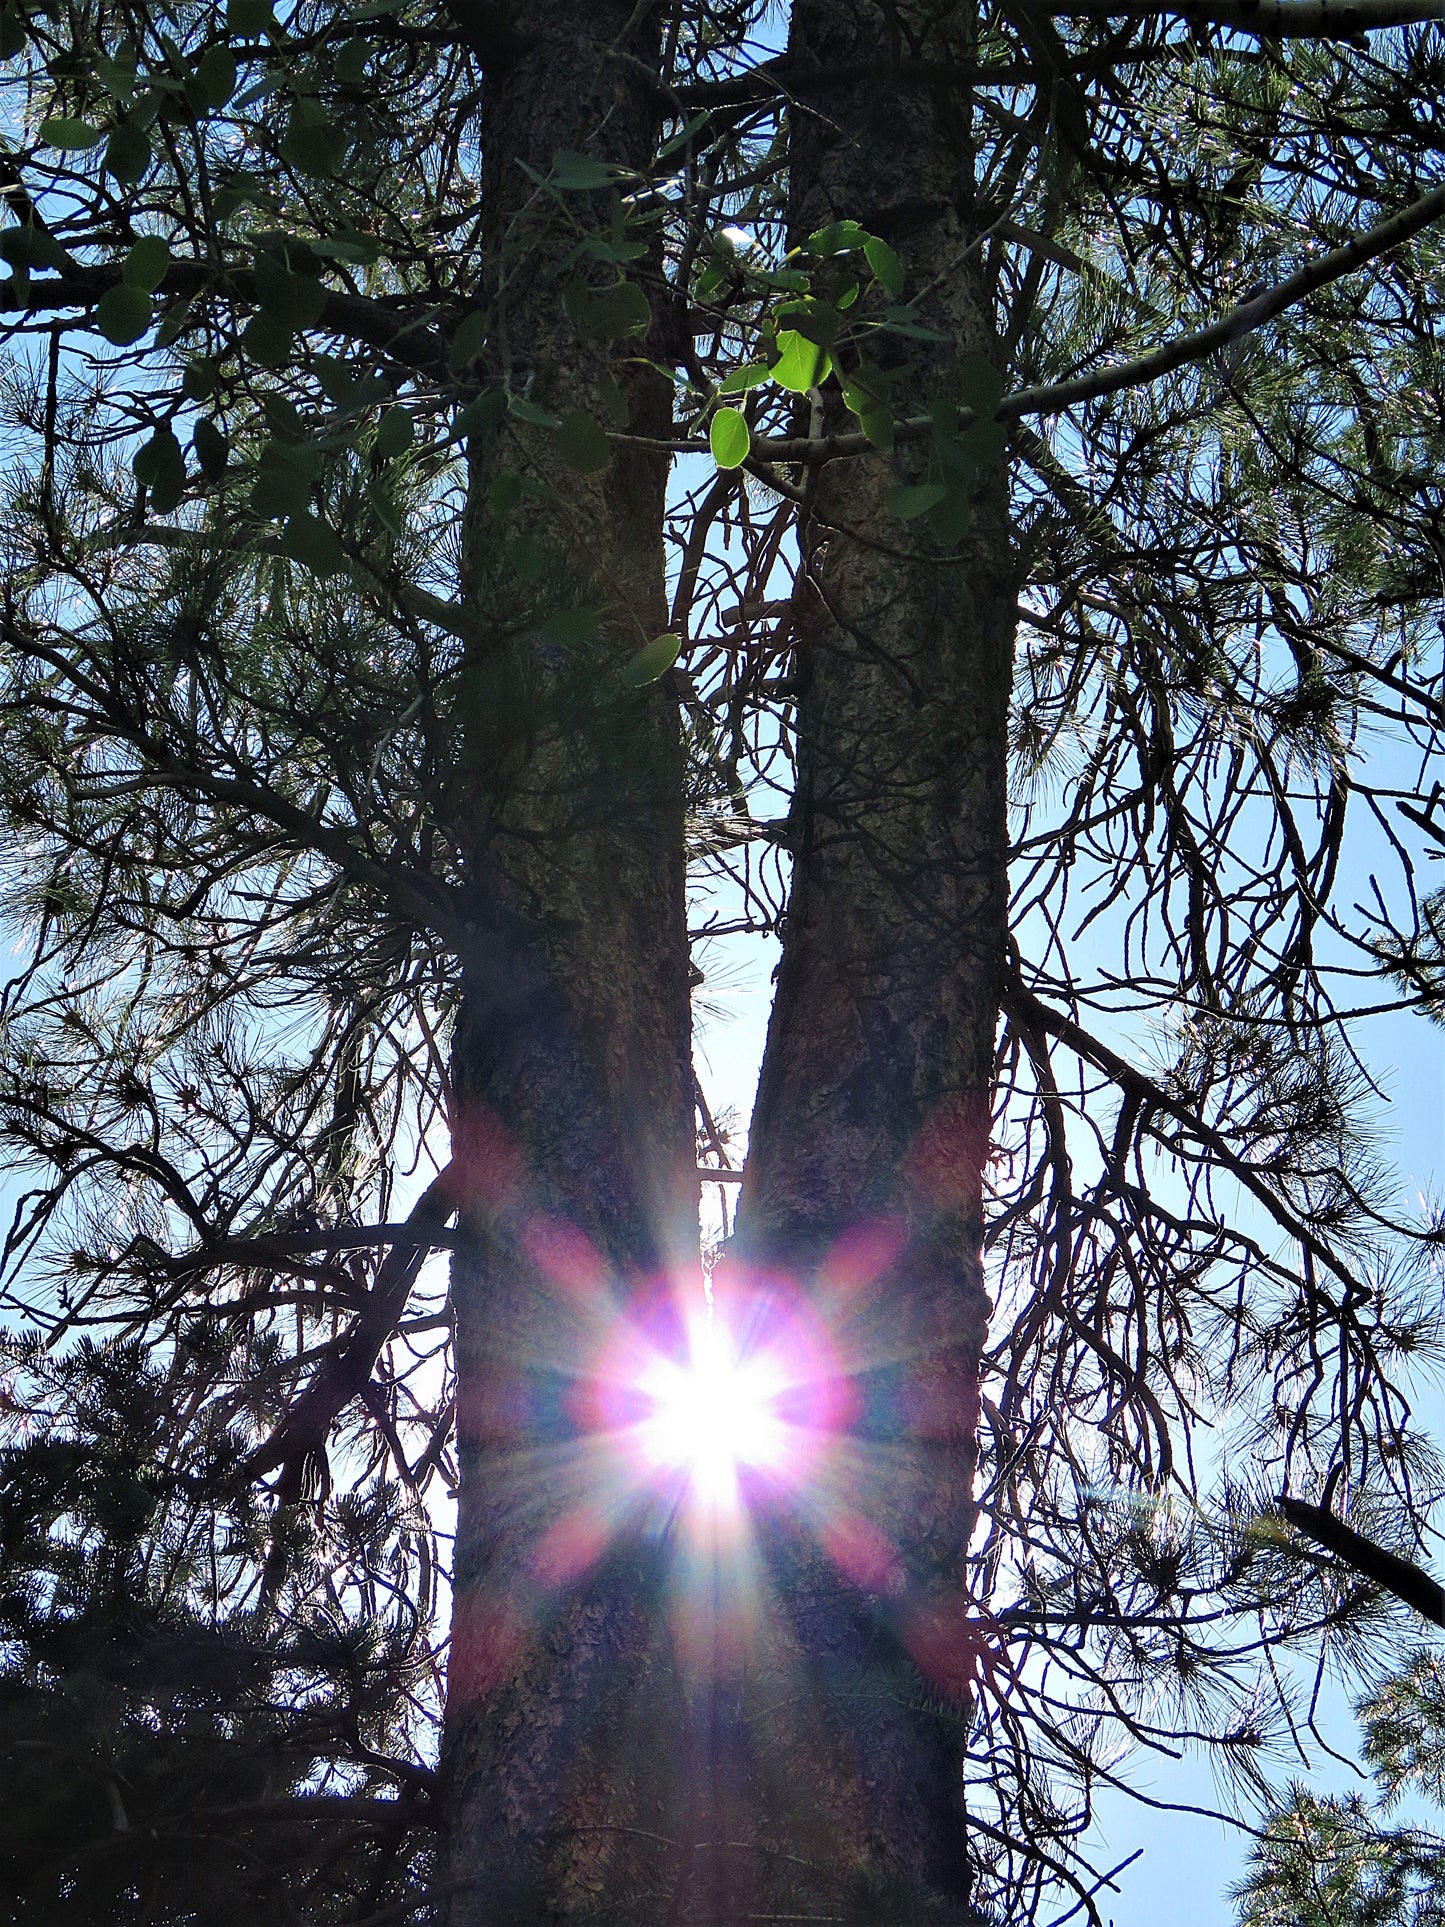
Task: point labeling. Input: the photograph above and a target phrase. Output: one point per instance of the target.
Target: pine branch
(301, 1435)
(1387, 1569)
(1270, 19)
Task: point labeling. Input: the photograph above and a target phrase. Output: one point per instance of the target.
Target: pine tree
(1336, 1860)
(475, 473)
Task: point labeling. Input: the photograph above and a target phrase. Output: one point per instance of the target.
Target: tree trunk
(865, 1171)
(614, 1745)
(572, 1084)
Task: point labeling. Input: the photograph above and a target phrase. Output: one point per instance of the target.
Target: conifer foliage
(496, 495)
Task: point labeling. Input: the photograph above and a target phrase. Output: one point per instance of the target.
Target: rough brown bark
(871, 1127)
(594, 1764)
(571, 1063)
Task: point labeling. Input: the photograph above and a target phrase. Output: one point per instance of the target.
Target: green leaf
(28, 246)
(568, 628)
(312, 145)
(529, 560)
(128, 153)
(876, 422)
(160, 468)
(950, 518)
(249, 18)
(652, 661)
(14, 32)
(268, 340)
(198, 383)
(903, 321)
(801, 363)
(729, 438)
(284, 475)
(351, 63)
(739, 380)
(579, 173)
(986, 442)
(297, 300)
(308, 540)
(909, 503)
(394, 434)
(216, 75)
(607, 314)
(863, 394)
(954, 457)
(504, 494)
(612, 400)
(354, 247)
(482, 416)
(383, 507)
(979, 384)
(886, 266)
(839, 237)
(174, 321)
(818, 320)
(123, 314)
(582, 443)
(212, 449)
(532, 412)
(145, 266)
(283, 418)
(468, 339)
(70, 136)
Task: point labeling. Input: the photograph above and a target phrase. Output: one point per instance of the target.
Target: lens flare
(715, 1408)
(712, 1415)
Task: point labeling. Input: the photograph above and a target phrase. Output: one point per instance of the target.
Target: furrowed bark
(571, 1062)
(864, 1179)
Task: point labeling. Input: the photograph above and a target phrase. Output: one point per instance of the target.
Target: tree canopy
(495, 496)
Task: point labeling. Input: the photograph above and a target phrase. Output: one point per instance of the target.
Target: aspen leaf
(160, 468)
(582, 443)
(70, 136)
(216, 75)
(212, 449)
(839, 237)
(123, 314)
(145, 265)
(729, 438)
(248, 18)
(394, 434)
(886, 266)
(801, 364)
(569, 627)
(740, 380)
(579, 173)
(909, 503)
(308, 540)
(127, 153)
(198, 383)
(652, 660)
(978, 384)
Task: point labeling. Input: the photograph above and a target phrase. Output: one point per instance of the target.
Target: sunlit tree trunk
(870, 1133)
(800, 1750)
(571, 1066)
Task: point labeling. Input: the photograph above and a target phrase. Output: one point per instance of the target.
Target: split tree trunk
(814, 1768)
(571, 1064)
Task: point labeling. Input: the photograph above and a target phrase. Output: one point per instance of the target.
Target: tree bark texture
(603, 1759)
(870, 1133)
(571, 1064)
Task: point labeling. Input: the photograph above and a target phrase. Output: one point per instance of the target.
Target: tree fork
(869, 1138)
(572, 1060)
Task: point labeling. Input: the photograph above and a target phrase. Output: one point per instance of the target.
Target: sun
(711, 1415)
